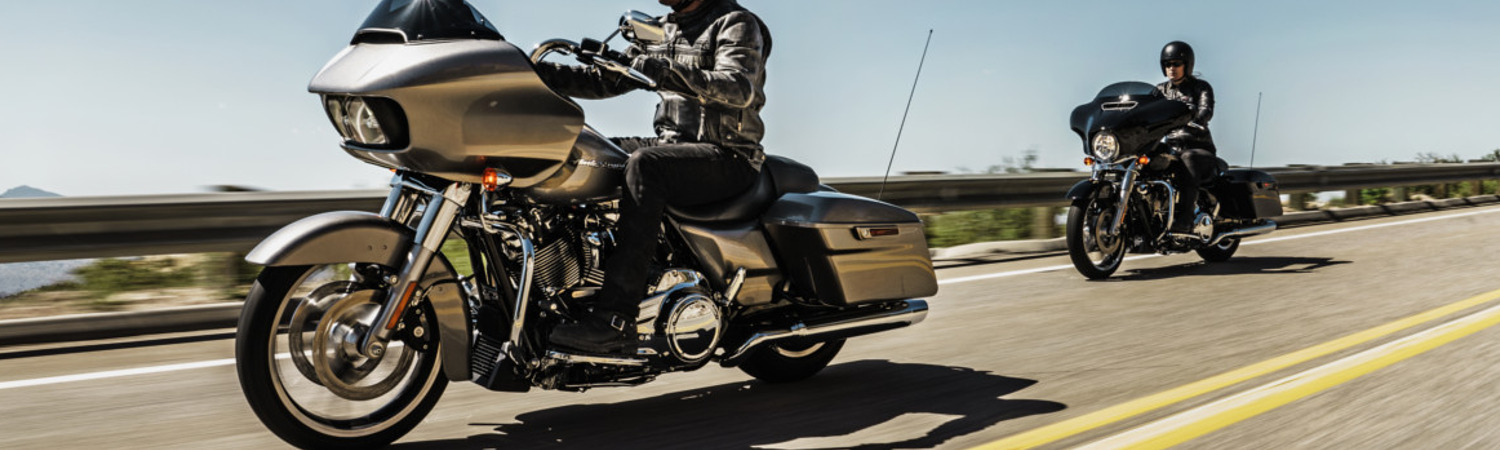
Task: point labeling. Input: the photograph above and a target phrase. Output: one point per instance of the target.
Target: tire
(279, 373)
(1221, 252)
(784, 362)
(1093, 260)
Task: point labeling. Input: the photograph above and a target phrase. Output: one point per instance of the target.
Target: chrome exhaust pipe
(1268, 227)
(838, 326)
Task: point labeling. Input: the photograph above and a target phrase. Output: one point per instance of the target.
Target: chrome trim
(734, 285)
(911, 312)
(1267, 227)
(1119, 106)
(563, 46)
(589, 359)
(523, 292)
(1171, 204)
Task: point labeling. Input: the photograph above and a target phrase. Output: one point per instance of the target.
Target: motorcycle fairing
(469, 105)
(1134, 112)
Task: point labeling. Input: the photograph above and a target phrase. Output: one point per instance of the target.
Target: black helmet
(1177, 50)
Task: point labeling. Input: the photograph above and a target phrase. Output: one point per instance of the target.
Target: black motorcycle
(352, 332)
(1127, 205)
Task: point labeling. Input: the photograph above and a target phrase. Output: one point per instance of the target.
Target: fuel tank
(593, 172)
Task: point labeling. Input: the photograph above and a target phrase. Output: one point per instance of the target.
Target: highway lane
(997, 356)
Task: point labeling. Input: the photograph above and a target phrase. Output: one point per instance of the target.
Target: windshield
(422, 20)
(1124, 88)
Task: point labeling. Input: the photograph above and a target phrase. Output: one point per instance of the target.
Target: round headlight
(1106, 147)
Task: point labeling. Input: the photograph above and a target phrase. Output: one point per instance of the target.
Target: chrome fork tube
(1127, 185)
(442, 210)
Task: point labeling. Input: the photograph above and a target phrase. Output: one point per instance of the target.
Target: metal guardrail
(96, 227)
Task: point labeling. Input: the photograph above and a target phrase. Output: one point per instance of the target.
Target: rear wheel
(1095, 254)
(1220, 252)
(784, 362)
(298, 367)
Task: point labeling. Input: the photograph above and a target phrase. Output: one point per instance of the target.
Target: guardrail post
(1352, 197)
(1478, 187)
(1043, 223)
(1398, 194)
(1297, 201)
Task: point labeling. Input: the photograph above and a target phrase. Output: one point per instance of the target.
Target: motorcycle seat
(778, 175)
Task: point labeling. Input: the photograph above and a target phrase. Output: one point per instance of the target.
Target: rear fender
(360, 237)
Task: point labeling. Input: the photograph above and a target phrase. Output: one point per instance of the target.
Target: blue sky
(165, 96)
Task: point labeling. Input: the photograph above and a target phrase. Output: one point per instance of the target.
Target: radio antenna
(1254, 138)
(901, 129)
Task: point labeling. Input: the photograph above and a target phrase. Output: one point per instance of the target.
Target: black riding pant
(1192, 168)
(658, 175)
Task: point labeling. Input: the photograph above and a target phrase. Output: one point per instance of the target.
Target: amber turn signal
(1143, 160)
(491, 179)
(1087, 161)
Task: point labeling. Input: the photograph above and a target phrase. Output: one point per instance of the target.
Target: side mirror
(641, 28)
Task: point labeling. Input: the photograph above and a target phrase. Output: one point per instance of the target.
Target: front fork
(442, 208)
(1127, 187)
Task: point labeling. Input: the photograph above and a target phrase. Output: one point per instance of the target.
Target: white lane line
(115, 373)
(991, 276)
(230, 361)
(124, 373)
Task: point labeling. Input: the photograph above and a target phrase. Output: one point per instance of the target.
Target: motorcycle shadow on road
(1272, 265)
(846, 406)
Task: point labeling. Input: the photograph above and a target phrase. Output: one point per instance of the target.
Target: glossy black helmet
(1180, 51)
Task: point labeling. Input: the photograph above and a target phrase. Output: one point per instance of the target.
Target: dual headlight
(368, 121)
(1106, 147)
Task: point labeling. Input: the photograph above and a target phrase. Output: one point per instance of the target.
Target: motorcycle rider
(710, 74)
(1198, 159)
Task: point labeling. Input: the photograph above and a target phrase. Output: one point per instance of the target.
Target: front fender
(1081, 190)
(360, 237)
(336, 237)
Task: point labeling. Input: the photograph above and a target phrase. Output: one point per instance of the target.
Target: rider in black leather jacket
(1198, 160)
(710, 73)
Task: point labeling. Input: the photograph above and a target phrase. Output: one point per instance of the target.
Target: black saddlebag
(844, 250)
(1247, 194)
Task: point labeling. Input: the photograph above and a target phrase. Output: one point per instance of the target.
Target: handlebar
(595, 54)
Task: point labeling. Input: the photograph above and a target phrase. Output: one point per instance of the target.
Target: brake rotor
(337, 363)
(1107, 244)
(311, 311)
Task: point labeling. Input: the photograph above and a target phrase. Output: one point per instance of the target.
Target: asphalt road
(1010, 347)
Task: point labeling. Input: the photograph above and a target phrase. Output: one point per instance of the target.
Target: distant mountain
(27, 192)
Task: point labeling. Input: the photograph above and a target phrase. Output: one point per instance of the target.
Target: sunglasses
(1174, 63)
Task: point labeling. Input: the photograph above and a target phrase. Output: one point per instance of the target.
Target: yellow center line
(1067, 428)
(1205, 419)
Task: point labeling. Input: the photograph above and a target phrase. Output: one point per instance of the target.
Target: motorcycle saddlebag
(1249, 194)
(845, 250)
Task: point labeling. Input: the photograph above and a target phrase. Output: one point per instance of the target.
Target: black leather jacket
(1199, 97)
(710, 73)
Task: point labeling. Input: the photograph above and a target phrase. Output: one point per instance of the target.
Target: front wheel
(1095, 254)
(298, 368)
(1220, 252)
(785, 362)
